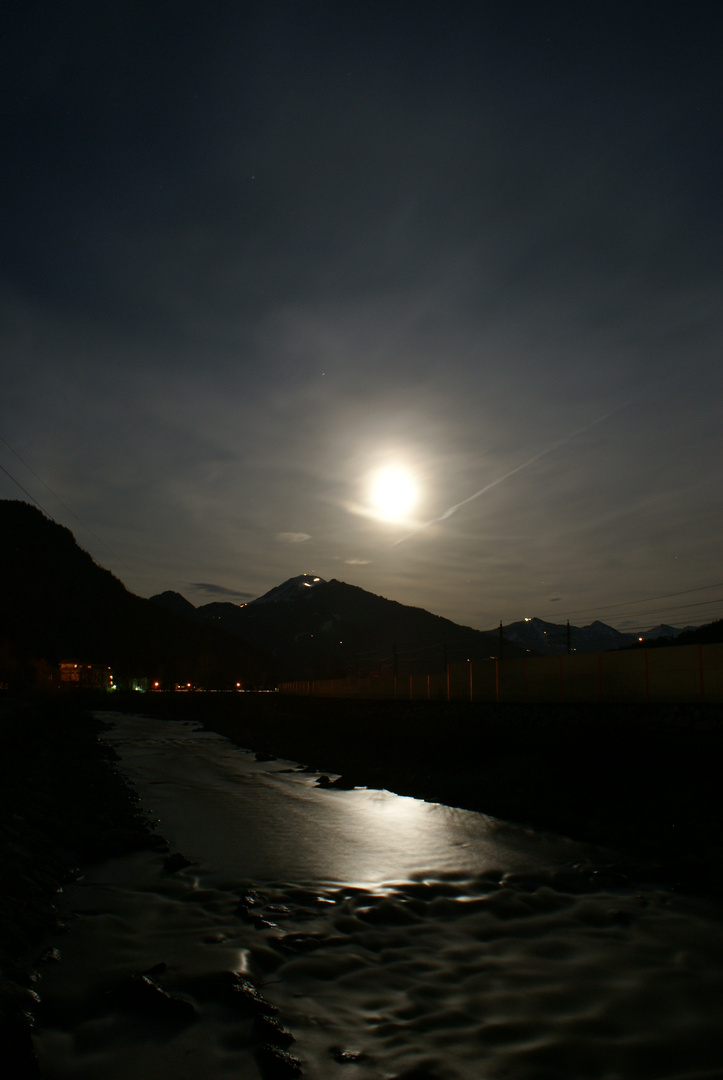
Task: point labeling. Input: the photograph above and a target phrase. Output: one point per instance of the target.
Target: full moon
(393, 493)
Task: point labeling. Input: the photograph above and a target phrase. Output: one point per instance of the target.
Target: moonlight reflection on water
(386, 937)
(266, 821)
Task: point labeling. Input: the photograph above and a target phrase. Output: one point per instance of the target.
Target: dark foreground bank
(62, 805)
(644, 781)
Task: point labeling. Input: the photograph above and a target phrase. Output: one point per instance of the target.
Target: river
(302, 930)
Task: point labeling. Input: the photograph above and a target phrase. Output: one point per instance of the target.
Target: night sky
(253, 254)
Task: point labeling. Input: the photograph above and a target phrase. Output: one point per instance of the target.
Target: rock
(230, 989)
(348, 1057)
(269, 1030)
(142, 996)
(293, 944)
(246, 998)
(276, 1064)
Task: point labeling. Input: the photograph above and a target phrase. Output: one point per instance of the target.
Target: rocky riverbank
(62, 805)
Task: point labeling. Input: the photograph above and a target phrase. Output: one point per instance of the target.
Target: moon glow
(393, 494)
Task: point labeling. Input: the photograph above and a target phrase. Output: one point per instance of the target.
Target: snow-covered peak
(296, 588)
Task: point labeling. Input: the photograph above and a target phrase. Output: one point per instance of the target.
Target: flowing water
(365, 936)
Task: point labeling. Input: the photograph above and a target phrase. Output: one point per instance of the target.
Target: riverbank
(62, 805)
(642, 780)
(520, 962)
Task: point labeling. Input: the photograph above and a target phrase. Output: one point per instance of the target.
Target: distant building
(85, 676)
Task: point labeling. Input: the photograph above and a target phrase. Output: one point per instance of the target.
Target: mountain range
(551, 639)
(319, 629)
(316, 628)
(56, 604)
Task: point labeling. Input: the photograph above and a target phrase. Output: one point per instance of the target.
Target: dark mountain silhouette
(321, 629)
(709, 634)
(56, 604)
(663, 630)
(176, 604)
(550, 639)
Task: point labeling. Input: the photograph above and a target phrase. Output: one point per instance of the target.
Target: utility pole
(395, 664)
(501, 641)
(568, 637)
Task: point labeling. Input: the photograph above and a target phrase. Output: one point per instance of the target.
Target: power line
(63, 504)
(679, 607)
(673, 608)
(56, 496)
(26, 492)
(645, 600)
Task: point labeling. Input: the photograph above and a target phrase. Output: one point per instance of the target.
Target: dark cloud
(220, 590)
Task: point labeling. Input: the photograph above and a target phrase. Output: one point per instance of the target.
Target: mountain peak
(176, 603)
(296, 588)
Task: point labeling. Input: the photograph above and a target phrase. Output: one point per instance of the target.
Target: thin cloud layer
(292, 537)
(239, 273)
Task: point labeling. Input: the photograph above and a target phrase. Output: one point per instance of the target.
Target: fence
(679, 673)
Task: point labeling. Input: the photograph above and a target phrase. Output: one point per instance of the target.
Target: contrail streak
(518, 468)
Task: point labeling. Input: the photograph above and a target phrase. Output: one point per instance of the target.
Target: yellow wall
(684, 673)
